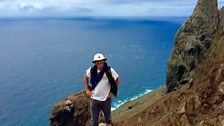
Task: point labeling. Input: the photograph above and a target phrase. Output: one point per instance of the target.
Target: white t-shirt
(102, 89)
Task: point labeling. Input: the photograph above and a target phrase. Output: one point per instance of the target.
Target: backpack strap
(93, 72)
(112, 81)
(109, 70)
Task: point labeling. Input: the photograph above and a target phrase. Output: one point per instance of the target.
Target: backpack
(110, 78)
(92, 73)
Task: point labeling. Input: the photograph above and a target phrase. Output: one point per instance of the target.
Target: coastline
(121, 102)
(132, 107)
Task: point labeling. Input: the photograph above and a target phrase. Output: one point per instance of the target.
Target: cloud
(122, 8)
(29, 7)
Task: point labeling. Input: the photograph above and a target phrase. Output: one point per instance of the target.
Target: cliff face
(71, 111)
(196, 68)
(192, 42)
(221, 25)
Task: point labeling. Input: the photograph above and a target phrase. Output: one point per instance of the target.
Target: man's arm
(86, 82)
(118, 81)
(110, 95)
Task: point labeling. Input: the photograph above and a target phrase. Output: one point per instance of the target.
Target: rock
(221, 88)
(102, 124)
(191, 43)
(72, 111)
(221, 25)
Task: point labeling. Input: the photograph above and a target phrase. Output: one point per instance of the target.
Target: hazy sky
(117, 8)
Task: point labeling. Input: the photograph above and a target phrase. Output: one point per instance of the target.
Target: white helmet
(98, 57)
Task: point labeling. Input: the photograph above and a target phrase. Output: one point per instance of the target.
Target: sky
(97, 8)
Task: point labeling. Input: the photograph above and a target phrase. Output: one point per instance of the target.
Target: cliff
(192, 42)
(71, 111)
(195, 71)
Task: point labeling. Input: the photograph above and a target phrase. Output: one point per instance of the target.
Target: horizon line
(91, 17)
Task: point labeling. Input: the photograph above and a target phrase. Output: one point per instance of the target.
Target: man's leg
(106, 108)
(94, 111)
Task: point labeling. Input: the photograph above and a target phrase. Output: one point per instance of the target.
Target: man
(104, 82)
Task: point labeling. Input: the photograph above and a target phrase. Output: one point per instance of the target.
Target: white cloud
(122, 8)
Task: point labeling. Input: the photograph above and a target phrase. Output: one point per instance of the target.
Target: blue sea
(43, 60)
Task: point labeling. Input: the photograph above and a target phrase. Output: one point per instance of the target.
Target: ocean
(43, 60)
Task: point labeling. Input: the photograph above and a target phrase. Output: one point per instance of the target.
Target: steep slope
(200, 103)
(191, 43)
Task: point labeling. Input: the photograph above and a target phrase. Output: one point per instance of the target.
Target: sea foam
(121, 102)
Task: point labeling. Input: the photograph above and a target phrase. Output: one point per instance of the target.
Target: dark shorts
(97, 106)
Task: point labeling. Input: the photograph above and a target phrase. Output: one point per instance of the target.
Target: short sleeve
(88, 72)
(114, 74)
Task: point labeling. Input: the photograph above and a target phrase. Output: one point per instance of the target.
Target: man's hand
(110, 95)
(86, 82)
(89, 93)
